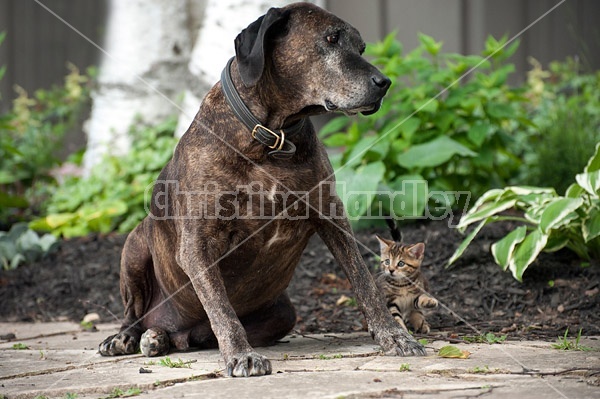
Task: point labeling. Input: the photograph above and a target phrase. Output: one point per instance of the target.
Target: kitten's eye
(401, 263)
(333, 38)
(386, 262)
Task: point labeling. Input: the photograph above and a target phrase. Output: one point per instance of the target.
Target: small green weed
(326, 357)
(119, 393)
(480, 370)
(489, 338)
(404, 367)
(20, 346)
(565, 344)
(87, 325)
(179, 364)
(423, 341)
(70, 395)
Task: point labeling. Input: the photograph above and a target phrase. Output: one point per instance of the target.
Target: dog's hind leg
(136, 291)
(268, 325)
(264, 326)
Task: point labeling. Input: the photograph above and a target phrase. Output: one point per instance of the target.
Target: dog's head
(313, 58)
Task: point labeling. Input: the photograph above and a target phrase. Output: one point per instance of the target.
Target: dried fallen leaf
(453, 352)
(342, 300)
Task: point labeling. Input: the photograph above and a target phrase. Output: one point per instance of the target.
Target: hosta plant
(549, 221)
(22, 245)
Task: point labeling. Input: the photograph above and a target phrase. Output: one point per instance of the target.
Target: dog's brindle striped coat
(192, 278)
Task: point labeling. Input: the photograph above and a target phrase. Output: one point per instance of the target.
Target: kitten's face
(400, 260)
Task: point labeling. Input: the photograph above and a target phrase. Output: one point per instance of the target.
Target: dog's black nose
(381, 81)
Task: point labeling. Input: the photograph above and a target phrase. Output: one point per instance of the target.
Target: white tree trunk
(143, 70)
(155, 50)
(223, 20)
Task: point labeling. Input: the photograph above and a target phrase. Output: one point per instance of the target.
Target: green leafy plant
(112, 198)
(167, 362)
(489, 338)
(326, 357)
(434, 132)
(20, 346)
(550, 222)
(119, 393)
(31, 135)
(480, 370)
(564, 343)
(22, 245)
(566, 112)
(404, 367)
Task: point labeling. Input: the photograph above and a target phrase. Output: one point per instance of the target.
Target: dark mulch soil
(476, 295)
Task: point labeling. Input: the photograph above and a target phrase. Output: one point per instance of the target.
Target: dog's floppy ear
(250, 44)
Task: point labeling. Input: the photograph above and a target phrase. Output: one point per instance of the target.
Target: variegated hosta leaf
(486, 210)
(534, 214)
(590, 181)
(574, 191)
(526, 252)
(556, 241)
(503, 249)
(594, 163)
(591, 225)
(559, 212)
(528, 190)
(459, 251)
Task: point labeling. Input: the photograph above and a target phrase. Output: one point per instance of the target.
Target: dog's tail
(394, 230)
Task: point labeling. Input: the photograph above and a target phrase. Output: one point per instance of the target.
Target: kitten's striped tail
(396, 233)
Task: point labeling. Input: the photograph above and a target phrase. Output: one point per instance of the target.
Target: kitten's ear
(417, 251)
(384, 244)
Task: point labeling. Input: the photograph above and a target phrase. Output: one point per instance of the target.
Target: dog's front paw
(397, 342)
(155, 342)
(119, 344)
(248, 364)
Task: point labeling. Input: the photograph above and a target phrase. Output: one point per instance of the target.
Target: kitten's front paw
(397, 342)
(423, 329)
(427, 302)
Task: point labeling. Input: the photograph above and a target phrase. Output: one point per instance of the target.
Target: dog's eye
(333, 38)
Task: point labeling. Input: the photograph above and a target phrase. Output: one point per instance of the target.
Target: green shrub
(112, 197)
(31, 135)
(567, 112)
(22, 245)
(435, 131)
(550, 222)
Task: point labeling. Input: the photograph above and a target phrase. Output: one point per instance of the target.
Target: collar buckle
(279, 140)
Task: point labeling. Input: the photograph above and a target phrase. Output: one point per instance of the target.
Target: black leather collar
(277, 141)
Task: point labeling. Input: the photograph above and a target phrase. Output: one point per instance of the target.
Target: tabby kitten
(401, 282)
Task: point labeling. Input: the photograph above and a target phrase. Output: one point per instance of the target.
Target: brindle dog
(229, 218)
